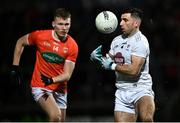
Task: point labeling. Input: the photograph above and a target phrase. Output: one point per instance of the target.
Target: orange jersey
(50, 57)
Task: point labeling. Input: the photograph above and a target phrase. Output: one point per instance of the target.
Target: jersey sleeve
(32, 37)
(141, 48)
(73, 53)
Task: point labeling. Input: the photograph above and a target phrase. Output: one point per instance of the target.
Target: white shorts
(125, 100)
(61, 99)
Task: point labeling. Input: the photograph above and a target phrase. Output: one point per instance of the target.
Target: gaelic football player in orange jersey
(55, 61)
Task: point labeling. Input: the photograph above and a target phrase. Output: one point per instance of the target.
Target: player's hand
(96, 55)
(46, 80)
(107, 63)
(15, 75)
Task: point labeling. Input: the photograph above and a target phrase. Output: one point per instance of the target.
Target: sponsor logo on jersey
(52, 57)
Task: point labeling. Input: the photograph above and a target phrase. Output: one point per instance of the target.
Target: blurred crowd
(91, 90)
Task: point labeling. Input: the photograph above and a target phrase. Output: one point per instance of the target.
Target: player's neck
(133, 32)
(59, 38)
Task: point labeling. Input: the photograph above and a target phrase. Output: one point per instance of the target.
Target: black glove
(15, 75)
(46, 80)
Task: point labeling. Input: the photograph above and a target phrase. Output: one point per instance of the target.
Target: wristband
(113, 66)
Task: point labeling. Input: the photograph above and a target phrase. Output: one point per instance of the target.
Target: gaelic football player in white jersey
(129, 58)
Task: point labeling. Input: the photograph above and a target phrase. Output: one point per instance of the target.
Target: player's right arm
(20, 44)
(16, 76)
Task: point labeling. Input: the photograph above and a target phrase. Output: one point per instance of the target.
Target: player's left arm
(139, 54)
(69, 66)
(68, 70)
(132, 69)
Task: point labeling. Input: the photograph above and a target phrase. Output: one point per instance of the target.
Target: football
(106, 22)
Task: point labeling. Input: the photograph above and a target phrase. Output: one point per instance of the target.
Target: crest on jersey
(65, 49)
(118, 58)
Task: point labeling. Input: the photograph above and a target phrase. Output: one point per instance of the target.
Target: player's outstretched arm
(96, 54)
(132, 69)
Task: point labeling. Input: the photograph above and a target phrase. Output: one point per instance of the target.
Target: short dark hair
(135, 12)
(62, 12)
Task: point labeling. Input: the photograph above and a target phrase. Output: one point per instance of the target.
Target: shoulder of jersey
(117, 38)
(45, 31)
(140, 37)
(72, 39)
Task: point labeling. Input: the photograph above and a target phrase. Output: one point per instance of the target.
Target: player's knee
(146, 118)
(55, 117)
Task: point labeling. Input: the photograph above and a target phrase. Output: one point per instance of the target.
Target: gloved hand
(46, 80)
(107, 63)
(15, 75)
(96, 55)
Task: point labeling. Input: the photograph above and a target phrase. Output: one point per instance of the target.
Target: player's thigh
(48, 103)
(124, 117)
(145, 106)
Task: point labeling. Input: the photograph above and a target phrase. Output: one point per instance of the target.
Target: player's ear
(53, 24)
(136, 23)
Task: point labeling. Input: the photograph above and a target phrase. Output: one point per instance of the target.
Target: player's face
(127, 24)
(61, 26)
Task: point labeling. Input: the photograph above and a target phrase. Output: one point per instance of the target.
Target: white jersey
(122, 49)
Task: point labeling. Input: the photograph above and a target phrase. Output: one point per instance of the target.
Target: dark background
(91, 90)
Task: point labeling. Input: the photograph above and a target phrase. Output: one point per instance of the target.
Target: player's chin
(62, 34)
(122, 30)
